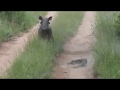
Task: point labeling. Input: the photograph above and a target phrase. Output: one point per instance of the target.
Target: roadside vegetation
(14, 22)
(107, 46)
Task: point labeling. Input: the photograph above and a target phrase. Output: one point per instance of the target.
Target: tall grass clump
(107, 45)
(37, 59)
(13, 22)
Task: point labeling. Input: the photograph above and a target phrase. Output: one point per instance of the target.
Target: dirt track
(9, 50)
(77, 60)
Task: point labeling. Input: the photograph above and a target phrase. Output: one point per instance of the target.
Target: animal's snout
(44, 28)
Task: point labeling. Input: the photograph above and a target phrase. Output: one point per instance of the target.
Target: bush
(118, 27)
(106, 48)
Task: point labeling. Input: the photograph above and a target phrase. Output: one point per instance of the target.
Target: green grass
(37, 59)
(14, 22)
(107, 46)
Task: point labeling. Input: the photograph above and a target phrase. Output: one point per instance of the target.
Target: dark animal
(45, 31)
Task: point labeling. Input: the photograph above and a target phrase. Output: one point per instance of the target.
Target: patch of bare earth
(77, 60)
(11, 49)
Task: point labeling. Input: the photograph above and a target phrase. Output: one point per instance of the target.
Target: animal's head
(44, 22)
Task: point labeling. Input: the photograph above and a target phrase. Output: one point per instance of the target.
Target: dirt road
(9, 50)
(77, 60)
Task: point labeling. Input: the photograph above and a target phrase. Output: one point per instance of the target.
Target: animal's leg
(52, 38)
(51, 35)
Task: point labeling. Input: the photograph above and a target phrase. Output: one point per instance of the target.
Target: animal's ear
(40, 17)
(50, 18)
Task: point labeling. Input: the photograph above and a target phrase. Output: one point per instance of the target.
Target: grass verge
(14, 22)
(37, 59)
(107, 46)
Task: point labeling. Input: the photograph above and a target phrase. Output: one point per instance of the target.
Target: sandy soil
(9, 50)
(78, 50)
